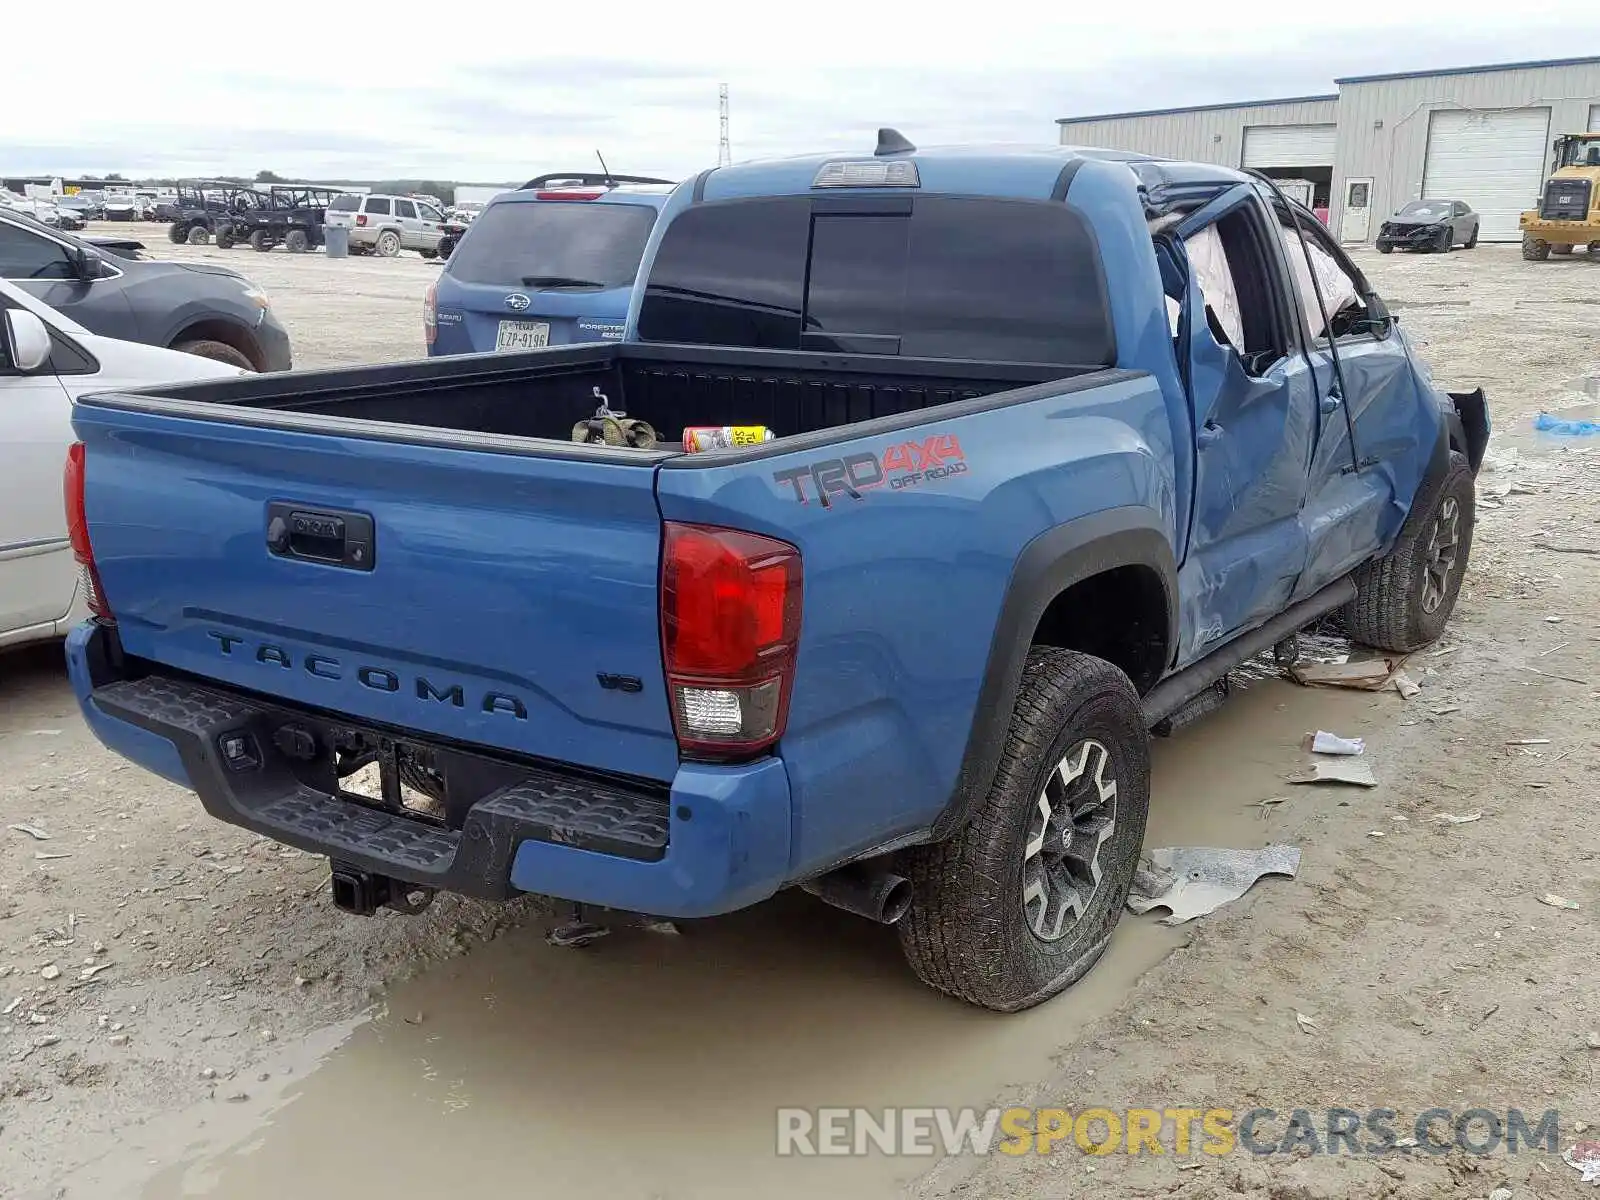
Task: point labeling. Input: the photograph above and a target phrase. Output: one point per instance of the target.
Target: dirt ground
(245, 1039)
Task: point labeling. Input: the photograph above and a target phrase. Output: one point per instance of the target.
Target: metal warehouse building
(1478, 134)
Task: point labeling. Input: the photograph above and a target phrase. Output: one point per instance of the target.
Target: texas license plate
(522, 335)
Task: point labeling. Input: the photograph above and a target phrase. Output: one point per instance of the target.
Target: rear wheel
(429, 254)
(216, 351)
(1404, 599)
(388, 243)
(1021, 902)
(259, 241)
(1472, 242)
(1385, 248)
(198, 235)
(1535, 249)
(296, 241)
(177, 233)
(224, 239)
(1594, 251)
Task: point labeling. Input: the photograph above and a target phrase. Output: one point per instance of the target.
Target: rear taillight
(568, 195)
(361, 218)
(730, 626)
(78, 533)
(430, 314)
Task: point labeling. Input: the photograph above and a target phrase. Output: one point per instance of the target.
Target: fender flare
(1055, 560)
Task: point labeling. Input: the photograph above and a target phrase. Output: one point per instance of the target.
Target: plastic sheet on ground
(1192, 881)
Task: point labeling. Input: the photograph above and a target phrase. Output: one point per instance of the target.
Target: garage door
(1495, 161)
(1288, 146)
(1594, 118)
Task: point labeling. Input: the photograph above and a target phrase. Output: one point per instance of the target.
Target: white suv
(386, 225)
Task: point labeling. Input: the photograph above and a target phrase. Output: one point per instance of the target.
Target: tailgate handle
(332, 538)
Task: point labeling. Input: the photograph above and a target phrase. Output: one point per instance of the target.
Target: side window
(1459, 209)
(404, 208)
(378, 206)
(430, 213)
(1342, 286)
(26, 255)
(1238, 281)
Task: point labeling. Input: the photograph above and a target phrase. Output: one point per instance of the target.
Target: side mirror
(29, 339)
(88, 265)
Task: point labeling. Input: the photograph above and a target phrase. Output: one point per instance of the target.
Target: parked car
(549, 264)
(1429, 225)
(194, 307)
(83, 209)
(43, 211)
(1061, 437)
(386, 225)
(45, 361)
(122, 206)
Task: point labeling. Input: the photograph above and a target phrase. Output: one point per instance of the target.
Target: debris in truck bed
(1196, 880)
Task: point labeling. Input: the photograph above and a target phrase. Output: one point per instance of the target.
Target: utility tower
(724, 150)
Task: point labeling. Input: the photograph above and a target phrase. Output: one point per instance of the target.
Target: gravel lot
(1429, 970)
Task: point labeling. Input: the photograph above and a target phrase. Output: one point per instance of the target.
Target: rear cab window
(346, 204)
(951, 277)
(589, 244)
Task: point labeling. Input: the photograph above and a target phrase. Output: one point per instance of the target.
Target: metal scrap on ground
(1367, 674)
(1335, 769)
(1192, 881)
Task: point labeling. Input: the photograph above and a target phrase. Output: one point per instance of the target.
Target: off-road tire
(296, 241)
(429, 254)
(177, 233)
(198, 235)
(224, 239)
(388, 244)
(216, 351)
(1385, 249)
(259, 241)
(1391, 609)
(1593, 251)
(1563, 249)
(1535, 249)
(967, 933)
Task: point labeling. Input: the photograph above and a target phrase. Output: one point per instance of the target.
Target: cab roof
(1016, 172)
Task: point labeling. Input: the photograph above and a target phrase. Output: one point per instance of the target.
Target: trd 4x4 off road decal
(904, 465)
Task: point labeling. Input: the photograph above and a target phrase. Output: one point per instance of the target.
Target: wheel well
(226, 332)
(1119, 615)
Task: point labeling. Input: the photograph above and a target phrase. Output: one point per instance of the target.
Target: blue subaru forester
(547, 264)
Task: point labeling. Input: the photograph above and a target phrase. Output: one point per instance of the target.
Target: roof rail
(588, 179)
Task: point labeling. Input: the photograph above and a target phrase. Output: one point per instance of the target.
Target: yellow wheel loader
(1568, 215)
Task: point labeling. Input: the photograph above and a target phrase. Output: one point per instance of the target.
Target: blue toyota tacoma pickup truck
(1062, 436)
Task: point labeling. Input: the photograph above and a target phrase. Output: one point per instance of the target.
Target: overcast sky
(491, 91)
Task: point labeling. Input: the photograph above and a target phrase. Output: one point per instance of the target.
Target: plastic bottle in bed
(724, 437)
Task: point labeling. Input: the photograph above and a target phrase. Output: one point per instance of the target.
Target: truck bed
(543, 393)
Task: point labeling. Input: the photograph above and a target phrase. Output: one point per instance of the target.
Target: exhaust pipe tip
(875, 894)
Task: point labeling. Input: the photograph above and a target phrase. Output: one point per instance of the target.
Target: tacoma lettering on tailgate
(379, 679)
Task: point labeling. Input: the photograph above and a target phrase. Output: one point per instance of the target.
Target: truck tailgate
(496, 599)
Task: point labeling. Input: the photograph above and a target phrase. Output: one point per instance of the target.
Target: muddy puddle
(651, 1065)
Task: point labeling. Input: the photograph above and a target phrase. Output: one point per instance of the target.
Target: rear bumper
(1573, 233)
(716, 841)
